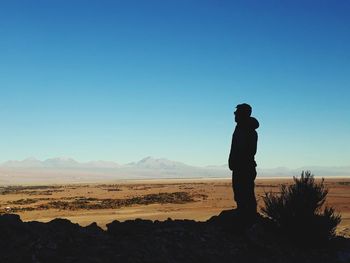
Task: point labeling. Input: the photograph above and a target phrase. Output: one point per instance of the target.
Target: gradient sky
(121, 80)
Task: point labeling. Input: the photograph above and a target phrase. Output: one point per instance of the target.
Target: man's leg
(250, 193)
(243, 189)
(237, 190)
(251, 200)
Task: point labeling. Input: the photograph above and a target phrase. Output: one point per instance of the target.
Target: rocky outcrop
(223, 238)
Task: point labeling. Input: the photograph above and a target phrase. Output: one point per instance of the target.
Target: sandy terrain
(151, 199)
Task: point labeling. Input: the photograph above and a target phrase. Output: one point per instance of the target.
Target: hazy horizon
(69, 162)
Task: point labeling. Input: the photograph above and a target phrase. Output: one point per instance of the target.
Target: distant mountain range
(62, 169)
(65, 163)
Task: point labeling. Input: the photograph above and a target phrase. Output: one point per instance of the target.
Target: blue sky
(121, 80)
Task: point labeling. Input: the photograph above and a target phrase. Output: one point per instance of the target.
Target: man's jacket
(244, 144)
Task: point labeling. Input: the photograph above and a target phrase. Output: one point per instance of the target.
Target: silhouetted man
(241, 160)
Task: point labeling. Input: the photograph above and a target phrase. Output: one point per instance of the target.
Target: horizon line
(67, 158)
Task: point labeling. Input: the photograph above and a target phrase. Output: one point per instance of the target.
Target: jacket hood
(253, 123)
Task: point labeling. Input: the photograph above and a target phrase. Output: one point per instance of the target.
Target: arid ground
(147, 199)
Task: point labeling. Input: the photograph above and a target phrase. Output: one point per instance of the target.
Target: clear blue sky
(121, 80)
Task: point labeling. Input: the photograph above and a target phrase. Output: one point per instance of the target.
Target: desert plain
(195, 199)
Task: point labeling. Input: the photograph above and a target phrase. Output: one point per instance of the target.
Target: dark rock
(10, 219)
(217, 240)
(93, 228)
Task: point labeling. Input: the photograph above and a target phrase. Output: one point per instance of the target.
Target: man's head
(243, 112)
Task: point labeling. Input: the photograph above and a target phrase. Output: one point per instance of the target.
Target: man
(241, 160)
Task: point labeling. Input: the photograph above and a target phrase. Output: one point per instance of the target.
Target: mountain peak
(158, 163)
(146, 159)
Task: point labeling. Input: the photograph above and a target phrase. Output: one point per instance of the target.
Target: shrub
(299, 210)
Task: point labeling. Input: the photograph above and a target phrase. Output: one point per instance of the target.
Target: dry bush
(299, 211)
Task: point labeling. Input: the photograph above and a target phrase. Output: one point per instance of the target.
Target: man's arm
(252, 146)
